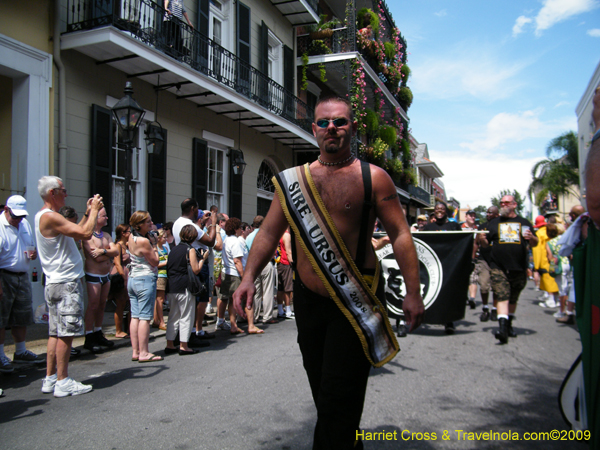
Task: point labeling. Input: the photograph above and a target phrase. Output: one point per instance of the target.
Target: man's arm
(208, 239)
(389, 212)
(262, 251)
(218, 241)
(52, 224)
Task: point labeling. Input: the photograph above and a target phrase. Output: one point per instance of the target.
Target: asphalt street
(251, 392)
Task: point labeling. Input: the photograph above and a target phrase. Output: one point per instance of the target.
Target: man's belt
(11, 272)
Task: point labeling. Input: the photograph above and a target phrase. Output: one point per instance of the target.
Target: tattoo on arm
(389, 197)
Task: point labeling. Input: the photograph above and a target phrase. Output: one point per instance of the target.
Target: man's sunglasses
(13, 216)
(339, 122)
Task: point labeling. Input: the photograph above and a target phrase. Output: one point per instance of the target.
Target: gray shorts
(15, 307)
(65, 308)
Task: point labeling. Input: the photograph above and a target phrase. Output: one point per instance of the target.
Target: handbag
(195, 286)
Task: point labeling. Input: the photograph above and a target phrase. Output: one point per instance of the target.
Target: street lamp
(238, 164)
(128, 114)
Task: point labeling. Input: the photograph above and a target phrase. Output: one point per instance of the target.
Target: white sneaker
(224, 326)
(550, 303)
(48, 384)
(71, 387)
(290, 315)
(558, 314)
(209, 308)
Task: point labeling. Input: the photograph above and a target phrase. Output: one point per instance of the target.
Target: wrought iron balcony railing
(148, 22)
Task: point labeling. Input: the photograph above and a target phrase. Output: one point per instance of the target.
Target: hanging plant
(357, 96)
(405, 70)
(390, 52)
(388, 134)
(409, 176)
(318, 47)
(372, 122)
(304, 83)
(323, 72)
(394, 168)
(405, 97)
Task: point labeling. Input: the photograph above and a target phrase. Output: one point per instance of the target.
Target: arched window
(264, 187)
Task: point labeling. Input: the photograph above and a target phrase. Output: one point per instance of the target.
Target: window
(265, 188)
(117, 215)
(215, 177)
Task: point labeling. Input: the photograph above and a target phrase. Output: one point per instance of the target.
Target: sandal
(153, 358)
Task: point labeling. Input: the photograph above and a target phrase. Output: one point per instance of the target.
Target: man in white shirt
(189, 216)
(16, 250)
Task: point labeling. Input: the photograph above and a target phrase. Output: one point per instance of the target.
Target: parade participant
(442, 223)
(542, 265)
(482, 266)
(141, 285)
(343, 326)
(421, 221)
(99, 252)
(509, 236)
(470, 225)
(63, 268)
(17, 248)
(190, 214)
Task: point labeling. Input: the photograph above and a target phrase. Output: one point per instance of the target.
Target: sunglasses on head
(339, 122)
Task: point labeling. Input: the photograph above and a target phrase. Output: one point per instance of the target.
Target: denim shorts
(142, 294)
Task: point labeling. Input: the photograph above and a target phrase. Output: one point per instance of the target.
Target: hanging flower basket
(321, 34)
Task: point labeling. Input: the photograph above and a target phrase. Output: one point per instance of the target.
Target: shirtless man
(99, 252)
(333, 356)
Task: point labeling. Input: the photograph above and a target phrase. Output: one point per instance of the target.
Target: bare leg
(63, 353)
(503, 308)
(99, 317)
(121, 299)
(200, 310)
(133, 332)
(251, 327)
(18, 334)
(143, 335)
(472, 290)
(51, 356)
(94, 291)
(232, 318)
(221, 305)
(485, 298)
(159, 318)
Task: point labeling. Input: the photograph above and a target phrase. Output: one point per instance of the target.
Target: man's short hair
(187, 205)
(47, 183)
(335, 98)
(257, 222)
(221, 217)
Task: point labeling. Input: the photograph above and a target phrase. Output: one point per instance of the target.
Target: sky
(493, 82)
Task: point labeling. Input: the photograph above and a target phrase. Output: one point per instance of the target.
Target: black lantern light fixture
(128, 114)
(238, 165)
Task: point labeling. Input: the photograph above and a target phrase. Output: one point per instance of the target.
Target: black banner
(445, 263)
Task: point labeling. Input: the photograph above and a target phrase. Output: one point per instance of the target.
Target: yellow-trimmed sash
(331, 260)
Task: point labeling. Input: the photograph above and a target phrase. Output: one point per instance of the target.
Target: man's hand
(96, 202)
(33, 255)
(243, 297)
(413, 311)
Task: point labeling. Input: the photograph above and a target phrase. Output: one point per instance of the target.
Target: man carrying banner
(508, 235)
(337, 271)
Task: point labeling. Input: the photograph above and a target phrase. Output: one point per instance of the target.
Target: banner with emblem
(445, 262)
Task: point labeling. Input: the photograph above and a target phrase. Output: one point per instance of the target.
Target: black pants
(336, 365)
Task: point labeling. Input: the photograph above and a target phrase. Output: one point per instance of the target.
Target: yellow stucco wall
(28, 21)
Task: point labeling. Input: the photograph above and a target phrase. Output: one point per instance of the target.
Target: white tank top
(61, 261)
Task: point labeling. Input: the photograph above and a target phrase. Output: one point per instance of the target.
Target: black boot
(502, 333)
(91, 343)
(102, 341)
(511, 332)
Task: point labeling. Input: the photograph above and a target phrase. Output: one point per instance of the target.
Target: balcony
(298, 12)
(133, 37)
(419, 194)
